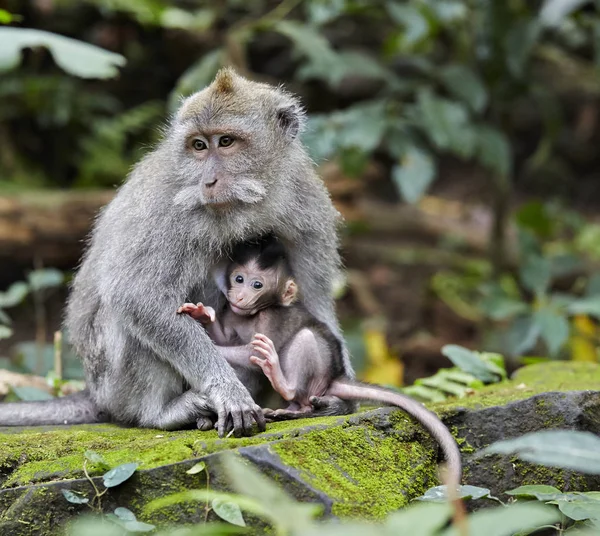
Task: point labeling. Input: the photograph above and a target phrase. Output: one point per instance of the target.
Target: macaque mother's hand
(236, 410)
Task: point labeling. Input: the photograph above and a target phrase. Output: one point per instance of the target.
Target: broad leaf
(124, 514)
(470, 362)
(45, 278)
(415, 173)
(14, 295)
(519, 43)
(415, 23)
(95, 458)
(198, 468)
(579, 510)
(569, 449)
(119, 474)
(196, 77)
(228, 511)
(418, 519)
(438, 493)
(74, 497)
(535, 274)
(31, 394)
(494, 150)
(508, 520)
(541, 492)
(75, 57)
(554, 328)
(138, 526)
(5, 332)
(464, 84)
(522, 335)
(589, 305)
(554, 11)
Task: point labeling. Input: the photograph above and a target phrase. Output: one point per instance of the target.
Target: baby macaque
(298, 354)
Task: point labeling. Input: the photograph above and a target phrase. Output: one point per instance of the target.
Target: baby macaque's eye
(225, 141)
(239, 279)
(257, 285)
(198, 145)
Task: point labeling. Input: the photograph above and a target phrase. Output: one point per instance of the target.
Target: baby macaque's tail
(77, 408)
(352, 390)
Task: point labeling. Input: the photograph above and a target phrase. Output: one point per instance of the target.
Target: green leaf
(31, 394)
(554, 11)
(541, 492)
(95, 458)
(522, 335)
(5, 332)
(470, 362)
(493, 150)
(196, 77)
(554, 328)
(519, 43)
(124, 514)
(507, 520)
(579, 510)
(418, 519)
(119, 474)
(442, 383)
(535, 217)
(75, 57)
(228, 511)
(569, 449)
(198, 468)
(415, 23)
(323, 11)
(535, 274)
(6, 17)
(446, 123)
(503, 307)
(138, 526)
(14, 295)
(424, 393)
(593, 286)
(438, 493)
(415, 173)
(286, 514)
(45, 278)
(74, 497)
(586, 306)
(463, 83)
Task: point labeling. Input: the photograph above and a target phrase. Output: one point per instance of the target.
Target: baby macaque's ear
(290, 293)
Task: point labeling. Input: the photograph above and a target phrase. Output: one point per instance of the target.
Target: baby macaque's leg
(269, 363)
(200, 312)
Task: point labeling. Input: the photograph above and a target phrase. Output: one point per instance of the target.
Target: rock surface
(366, 464)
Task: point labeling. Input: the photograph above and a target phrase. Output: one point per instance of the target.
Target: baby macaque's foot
(270, 365)
(200, 312)
(205, 423)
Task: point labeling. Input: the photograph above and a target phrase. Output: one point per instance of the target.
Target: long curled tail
(77, 408)
(352, 390)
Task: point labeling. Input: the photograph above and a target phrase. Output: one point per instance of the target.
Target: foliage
(37, 282)
(472, 371)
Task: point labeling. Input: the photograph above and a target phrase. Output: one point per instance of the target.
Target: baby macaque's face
(252, 288)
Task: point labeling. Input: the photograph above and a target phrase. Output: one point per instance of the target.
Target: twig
(58, 363)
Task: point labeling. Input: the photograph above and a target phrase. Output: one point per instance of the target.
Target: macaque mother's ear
(290, 119)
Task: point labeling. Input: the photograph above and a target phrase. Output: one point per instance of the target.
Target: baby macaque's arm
(207, 317)
(271, 367)
(235, 355)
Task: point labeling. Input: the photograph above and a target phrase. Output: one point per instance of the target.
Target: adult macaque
(230, 167)
(298, 354)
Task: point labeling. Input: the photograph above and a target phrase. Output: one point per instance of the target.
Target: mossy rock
(366, 464)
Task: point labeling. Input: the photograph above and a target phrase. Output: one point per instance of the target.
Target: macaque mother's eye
(198, 144)
(239, 279)
(257, 285)
(225, 141)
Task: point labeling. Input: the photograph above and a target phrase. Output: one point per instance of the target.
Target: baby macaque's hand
(200, 312)
(270, 365)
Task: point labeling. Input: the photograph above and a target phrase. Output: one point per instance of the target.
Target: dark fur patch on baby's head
(224, 81)
(267, 250)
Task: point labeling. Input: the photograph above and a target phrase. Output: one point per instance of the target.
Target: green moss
(360, 467)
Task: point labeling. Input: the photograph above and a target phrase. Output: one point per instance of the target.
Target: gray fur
(154, 246)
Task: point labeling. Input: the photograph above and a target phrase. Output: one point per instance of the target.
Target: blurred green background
(457, 137)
